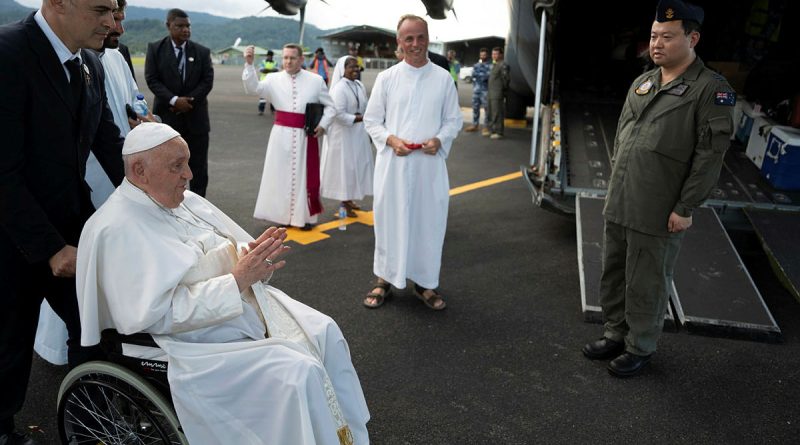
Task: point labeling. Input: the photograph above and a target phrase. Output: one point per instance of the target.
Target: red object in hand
(413, 146)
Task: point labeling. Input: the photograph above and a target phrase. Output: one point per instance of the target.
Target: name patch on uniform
(644, 88)
(677, 90)
(725, 98)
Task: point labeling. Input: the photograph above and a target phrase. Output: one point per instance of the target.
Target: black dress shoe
(16, 438)
(603, 349)
(628, 365)
(307, 227)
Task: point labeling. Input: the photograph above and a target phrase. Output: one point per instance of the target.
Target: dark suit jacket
(126, 54)
(163, 79)
(44, 199)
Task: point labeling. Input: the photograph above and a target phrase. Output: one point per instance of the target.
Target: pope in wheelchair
(247, 364)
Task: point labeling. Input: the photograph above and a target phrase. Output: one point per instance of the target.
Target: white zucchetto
(146, 136)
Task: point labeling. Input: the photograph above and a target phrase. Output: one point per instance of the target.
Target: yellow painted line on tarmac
(484, 183)
(365, 217)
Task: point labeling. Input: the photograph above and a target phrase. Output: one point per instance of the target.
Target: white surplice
(283, 196)
(121, 89)
(143, 268)
(411, 192)
(347, 166)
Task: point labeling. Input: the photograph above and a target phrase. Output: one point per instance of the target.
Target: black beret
(669, 10)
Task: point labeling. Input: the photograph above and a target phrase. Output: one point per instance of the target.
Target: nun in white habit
(347, 159)
(247, 364)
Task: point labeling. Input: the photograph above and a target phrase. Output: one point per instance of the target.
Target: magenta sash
(298, 120)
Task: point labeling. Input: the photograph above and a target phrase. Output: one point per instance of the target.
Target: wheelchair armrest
(113, 340)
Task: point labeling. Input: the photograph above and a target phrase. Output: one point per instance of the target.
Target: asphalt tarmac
(502, 364)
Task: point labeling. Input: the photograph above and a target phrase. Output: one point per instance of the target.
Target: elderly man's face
(412, 37)
(166, 174)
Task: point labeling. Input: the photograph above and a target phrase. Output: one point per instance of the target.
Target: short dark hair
(121, 4)
(175, 13)
(498, 49)
(483, 50)
(294, 46)
(690, 26)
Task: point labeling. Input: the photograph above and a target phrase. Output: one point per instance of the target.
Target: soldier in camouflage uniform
(480, 89)
(671, 139)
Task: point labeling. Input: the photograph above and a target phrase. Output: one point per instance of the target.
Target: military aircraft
(437, 9)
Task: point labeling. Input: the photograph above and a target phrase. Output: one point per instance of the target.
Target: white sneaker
(496, 136)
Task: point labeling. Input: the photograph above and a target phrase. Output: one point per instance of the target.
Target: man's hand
(431, 146)
(260, 260)
(149, 118)
(399, 145)
(249, 54)
(358, 118)
(318, 132)
(183, 104)
(63, 262)
(678, 223)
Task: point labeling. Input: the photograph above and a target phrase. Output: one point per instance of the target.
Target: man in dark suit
(126, 53)
(52, 111)
(180, 75)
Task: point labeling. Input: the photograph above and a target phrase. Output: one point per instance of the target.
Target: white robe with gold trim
(142, 269)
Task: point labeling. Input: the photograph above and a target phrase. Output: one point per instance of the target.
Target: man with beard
(52, 111)
(121, 90)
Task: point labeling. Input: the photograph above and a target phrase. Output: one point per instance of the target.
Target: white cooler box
(745, 123)
(757, 142)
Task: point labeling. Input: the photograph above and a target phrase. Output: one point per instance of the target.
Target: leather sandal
(379, 298)
(430, 301)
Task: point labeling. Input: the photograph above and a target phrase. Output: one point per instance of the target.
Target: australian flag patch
(725, 98)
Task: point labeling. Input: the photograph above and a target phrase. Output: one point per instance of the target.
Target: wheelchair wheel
(104, 403)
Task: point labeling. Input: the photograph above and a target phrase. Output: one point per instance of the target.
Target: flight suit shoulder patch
(725, 98)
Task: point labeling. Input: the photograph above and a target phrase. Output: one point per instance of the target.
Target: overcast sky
(475, 18)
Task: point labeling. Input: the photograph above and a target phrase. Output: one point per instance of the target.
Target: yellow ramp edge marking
(366, 217)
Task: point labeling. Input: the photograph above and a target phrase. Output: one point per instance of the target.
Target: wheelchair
(124, 400)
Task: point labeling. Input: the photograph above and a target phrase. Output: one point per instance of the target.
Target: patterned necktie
(74, 68)
(181, 62)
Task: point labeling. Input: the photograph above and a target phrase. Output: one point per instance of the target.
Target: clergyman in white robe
(347, 164)
(411, 192)
(255, 367)
(283, 194)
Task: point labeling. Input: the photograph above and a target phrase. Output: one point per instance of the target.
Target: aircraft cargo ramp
(712, 293)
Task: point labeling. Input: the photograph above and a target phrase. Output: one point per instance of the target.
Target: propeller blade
(259, 12)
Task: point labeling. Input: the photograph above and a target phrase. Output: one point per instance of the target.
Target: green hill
(144, 25)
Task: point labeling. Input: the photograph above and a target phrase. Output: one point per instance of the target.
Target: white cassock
(121, 89)
(283, 195)
(347, 165)
(411, 192)
(144, 268)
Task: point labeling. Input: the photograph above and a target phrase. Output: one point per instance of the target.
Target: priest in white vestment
(247, 364)
(289, 192)
(413, 117)
(347, 164)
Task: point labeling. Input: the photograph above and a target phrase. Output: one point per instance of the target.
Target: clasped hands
(259, 259)
(400, 146)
